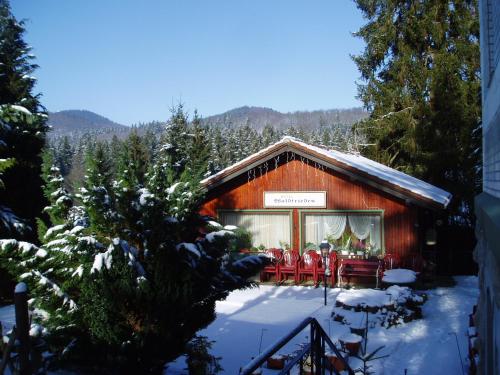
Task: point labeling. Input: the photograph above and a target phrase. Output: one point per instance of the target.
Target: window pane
(366, 227)
(267, 230)
(319, 227)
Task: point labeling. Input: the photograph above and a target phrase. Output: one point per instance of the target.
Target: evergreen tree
(96, 193)
(234, 153)
(217, 160)
(267, 136)
(292, 132)
(134, 160)
(326, 139)
(176, 139)
(151, 142)
(200, 149)
(54, 190)
(64, 157)
(420, 70)
(131, 295)
(10, 223)
(23, 124)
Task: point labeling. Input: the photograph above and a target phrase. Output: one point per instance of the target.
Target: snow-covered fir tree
(22, 126)
(127, 279)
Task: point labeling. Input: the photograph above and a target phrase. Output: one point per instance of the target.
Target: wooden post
(6, 351)
(23, 327)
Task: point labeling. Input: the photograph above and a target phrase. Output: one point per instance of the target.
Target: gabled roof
(354, 165)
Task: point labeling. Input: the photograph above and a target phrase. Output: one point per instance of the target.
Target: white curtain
(318, 227)
(363, 226)
(266, 229)
(375, 233)
(360, 225)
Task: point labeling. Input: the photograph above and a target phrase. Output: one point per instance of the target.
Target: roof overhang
(289, 144)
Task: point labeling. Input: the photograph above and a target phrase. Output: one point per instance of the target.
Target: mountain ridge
(72, 119)
(77, 121)
(259, 117)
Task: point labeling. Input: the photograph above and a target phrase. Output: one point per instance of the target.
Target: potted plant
(335, 362)
(310, 246)
(308, 367)
(276, 362)
(284, 245)
(360, 331)
(360, 248)
(351, 342)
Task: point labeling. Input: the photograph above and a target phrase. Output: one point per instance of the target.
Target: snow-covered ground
(7, 317)
(426, 346)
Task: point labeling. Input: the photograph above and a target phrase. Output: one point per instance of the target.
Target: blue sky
(131, 60)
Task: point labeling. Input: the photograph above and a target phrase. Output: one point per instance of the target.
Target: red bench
(359, 268)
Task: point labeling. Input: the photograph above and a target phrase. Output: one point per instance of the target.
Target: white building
(487, 253)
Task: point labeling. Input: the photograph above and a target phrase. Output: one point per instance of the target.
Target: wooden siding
(343, 193)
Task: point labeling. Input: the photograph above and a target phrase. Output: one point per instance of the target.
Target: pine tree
(127, 279)
(200, 148)
(217, 160)
(151, 142)
(64, 156)
(420, 70)
(134, 160)
(23, 124)
(325, 136)
(10, 223)
(55, 192)
(176, 139)
(96, 192)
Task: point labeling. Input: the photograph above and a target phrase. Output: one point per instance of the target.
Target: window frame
(302, 221)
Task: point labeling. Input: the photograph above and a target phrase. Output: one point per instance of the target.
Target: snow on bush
(393, 306)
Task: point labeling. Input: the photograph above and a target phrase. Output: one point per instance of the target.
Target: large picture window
(268, 230)
(345, 229)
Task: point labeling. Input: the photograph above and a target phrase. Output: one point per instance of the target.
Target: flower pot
(335, 362)
(352, 347)
(360, 331)
(360, 253)
(351, 342)
(276, 362)
(344, 252)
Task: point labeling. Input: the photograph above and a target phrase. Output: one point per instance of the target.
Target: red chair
(392, 261)
(272, 269)
(289, 266)
(332, 265)
(308, 266)
(415, 262)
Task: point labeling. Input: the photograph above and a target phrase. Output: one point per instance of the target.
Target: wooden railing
(19, 337)
(314, 350)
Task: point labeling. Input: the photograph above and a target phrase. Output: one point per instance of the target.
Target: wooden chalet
(292, 194)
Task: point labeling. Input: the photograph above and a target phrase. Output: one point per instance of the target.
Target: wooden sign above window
(295, 199)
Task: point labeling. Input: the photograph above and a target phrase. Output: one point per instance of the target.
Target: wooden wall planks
(343, 193)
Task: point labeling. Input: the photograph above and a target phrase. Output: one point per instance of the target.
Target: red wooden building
(294, 194)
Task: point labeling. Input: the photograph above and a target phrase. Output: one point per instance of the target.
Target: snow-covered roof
(346, 162)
